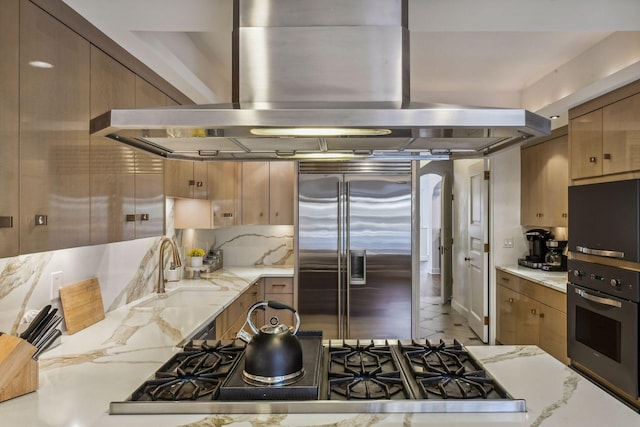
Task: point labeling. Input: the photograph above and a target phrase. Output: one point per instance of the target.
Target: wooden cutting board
(81, 304)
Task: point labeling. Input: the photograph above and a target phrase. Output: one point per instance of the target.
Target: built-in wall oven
(604, 285)
(602, 317)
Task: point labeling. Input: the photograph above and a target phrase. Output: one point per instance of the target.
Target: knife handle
(34, 323)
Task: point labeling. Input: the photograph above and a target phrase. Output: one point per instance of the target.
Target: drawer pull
(282, 285)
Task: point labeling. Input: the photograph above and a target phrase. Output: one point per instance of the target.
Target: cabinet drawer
(507, 280)
(278, 285)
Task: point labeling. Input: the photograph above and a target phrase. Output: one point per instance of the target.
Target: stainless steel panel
(326, 64)
(321, 407)
(318, 264)
(296, 13)
(344, 214)
(380, 223)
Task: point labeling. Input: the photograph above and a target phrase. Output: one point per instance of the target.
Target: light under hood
(321, 64)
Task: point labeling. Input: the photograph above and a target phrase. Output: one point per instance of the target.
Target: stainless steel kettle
(273, 355)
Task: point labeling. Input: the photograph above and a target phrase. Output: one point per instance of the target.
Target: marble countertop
(553, 279)
(108, 360)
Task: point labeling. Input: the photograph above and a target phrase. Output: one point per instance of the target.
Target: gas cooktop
(340, 376)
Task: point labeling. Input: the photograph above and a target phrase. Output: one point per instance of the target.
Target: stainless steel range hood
(319, 79)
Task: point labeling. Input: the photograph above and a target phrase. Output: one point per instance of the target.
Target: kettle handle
(276, 305)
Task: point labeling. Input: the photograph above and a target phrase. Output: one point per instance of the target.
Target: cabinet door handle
(192, 182)
(6, 222)
(592, 159)
(510, 300)
(606, 156)
(542, 315)
(533, 311)
(199, 184)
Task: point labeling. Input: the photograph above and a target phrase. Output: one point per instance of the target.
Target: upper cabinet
(545, 181)
(223, 182)
(149, 172)
(9, 128)
(112, 163)
(186, 179)
(54, 134)
(605, 136)
(267, 192)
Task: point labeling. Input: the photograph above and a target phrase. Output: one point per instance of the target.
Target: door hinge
(486, 247)
(487, 175)
(486, 320)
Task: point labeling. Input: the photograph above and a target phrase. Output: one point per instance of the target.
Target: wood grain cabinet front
(529, 313)
(267, 192)
(54, 134)
(186, 179)
(545, 182)
(9, 128)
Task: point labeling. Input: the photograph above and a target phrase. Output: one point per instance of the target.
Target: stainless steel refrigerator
(354, 254)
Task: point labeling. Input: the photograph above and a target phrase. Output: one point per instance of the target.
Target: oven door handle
(600, 252)
(599, 300)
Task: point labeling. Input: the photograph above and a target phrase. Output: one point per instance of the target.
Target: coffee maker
(537, 248)
(555, 259)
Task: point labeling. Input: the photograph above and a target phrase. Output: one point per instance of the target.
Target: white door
(477, 257)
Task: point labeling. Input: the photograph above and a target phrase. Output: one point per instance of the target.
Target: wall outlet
(56, 282)
(508, 243)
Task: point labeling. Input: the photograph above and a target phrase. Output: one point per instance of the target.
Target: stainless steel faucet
(176, 262)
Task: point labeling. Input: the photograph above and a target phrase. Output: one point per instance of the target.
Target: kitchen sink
(185, 297)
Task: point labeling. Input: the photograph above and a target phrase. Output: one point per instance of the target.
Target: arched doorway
(436, 185)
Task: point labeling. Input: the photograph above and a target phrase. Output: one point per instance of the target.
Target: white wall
(504, 220)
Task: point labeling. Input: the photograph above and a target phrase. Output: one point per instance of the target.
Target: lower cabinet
(529, 313)
(229, 322)
(280, 289)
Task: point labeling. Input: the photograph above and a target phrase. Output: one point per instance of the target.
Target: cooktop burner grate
(364, 370)
(193, 374)
(447, 371)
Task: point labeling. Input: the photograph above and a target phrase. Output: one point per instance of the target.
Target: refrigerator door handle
(357, 267)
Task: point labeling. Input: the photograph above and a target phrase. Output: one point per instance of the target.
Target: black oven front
(602, 321)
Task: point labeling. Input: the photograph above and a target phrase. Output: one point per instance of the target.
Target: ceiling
(543, 55)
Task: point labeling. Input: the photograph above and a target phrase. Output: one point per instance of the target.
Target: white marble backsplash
(247, 245)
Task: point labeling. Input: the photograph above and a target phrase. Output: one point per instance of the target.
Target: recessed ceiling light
(40, 64)
(555, 117)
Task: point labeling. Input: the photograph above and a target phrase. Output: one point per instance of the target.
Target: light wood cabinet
(605, 135)
(186, 179)
(112, 163)
(9, 128)
(279, 289)
(255, 193)
(149, 172)
(232, 318)
(54, 134)
(529, 313)
(223, 183)
(545, 182)
(586, 145)
(267, 192)
(621, 136)
(281, 182)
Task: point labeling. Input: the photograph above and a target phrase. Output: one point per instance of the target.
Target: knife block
(18, 371)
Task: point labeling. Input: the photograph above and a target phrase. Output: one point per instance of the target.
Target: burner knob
(615, 283)
(578, 273)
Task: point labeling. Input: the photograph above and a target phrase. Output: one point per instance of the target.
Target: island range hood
(319, 79)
